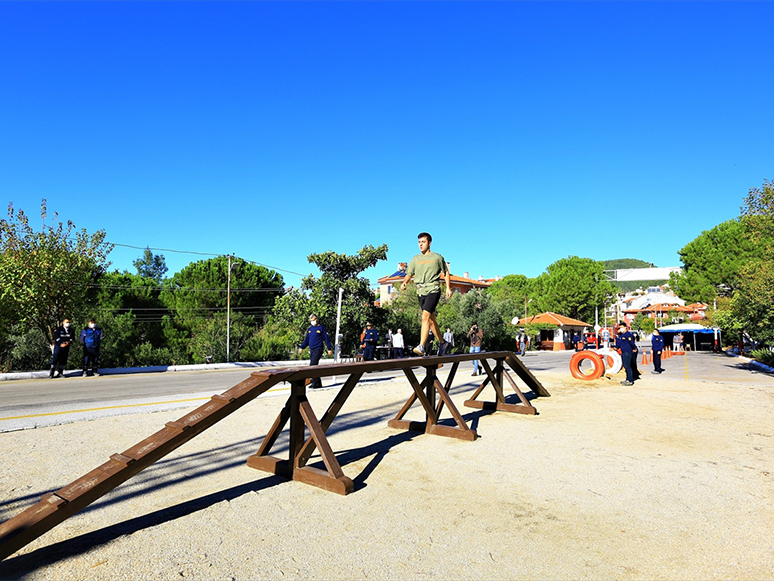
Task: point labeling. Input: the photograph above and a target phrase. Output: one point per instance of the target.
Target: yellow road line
(685, 366)
(116, 407)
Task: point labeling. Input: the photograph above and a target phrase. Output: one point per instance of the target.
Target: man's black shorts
(429, 302)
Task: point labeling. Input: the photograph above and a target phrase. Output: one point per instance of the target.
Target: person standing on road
(370, 339)
(397, 344)
(427, 268)
(522, 342)
(91, 339)
(63, 336)
(448, 338)
(315, 337)
(476, 338)
(657, 345)
(627, 347)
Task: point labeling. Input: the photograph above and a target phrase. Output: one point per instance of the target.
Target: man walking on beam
(427, 268)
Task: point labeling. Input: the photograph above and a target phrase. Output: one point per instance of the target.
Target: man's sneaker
(84, 374)
(419, 350)
(626, 383)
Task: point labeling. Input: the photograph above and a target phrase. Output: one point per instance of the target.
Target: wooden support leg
(447, 387)
(328, 417)
(301, 415)
(495, 378)
(430, 426)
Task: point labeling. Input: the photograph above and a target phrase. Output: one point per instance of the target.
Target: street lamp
(526, 302)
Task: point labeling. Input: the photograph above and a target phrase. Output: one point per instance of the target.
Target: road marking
(117, 407)
(685, 366)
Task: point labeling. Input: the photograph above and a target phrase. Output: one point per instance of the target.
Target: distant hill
(621, 263)
(618, 263)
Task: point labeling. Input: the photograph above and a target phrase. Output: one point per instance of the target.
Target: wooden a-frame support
(55, 507)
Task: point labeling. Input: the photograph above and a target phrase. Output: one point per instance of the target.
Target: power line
(185, 288)
(205, 254)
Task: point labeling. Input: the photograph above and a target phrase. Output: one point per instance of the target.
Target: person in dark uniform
(370, 340)
(316, 336)
(657, 344)
(63, 336)
(91, 339)
(627, 347)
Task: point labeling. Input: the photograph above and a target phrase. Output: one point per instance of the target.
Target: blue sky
(516, 133)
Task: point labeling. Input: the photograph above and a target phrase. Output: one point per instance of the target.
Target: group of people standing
(627, 347)
(90, 339)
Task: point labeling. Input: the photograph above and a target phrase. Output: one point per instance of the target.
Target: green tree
(572, 287)
(723, 317)
(403, 312)
(493, 317)
(45, 274)
(753, 301)
(320, 296)
(151, 266)
(712, 262)
(513, 286)
(643, 323)
(198, 291)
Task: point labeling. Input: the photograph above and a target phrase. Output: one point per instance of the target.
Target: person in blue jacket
(91, 339)
(63, 336)
(657, 344)
(315, 337)
(627, 347)
(370, 340)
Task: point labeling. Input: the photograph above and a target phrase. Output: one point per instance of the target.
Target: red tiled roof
(554, 319)
(663, 308)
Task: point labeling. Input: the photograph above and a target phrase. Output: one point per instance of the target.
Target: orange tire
(577, 360)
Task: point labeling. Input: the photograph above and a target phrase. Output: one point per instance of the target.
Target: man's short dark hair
(425, 235)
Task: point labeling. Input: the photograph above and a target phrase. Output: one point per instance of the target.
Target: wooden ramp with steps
(57, 506)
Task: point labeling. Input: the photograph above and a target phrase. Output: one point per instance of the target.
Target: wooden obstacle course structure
(53, 508)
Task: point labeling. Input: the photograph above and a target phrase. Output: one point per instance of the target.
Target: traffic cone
(645, 358)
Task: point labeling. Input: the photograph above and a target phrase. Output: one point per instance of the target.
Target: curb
(751, 361)
(157, 369)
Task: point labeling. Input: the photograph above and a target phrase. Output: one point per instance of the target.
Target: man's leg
(657, 361)
(54, 359)
(85, 361)
(626, 359)
(314, 359)
(95, 361)
(425, 333)
(476, 349)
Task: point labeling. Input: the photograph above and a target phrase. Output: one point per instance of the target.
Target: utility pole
(228, 308)
(228, 312)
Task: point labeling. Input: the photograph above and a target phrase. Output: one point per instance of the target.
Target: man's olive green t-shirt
(427, 270)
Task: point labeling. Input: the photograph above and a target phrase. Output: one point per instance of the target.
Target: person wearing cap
(427, 268)
(63, 336)
(627, 347)
(315, 338)
(657, 345)
(370, 340)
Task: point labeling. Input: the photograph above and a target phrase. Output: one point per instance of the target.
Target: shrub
(765, 356)
(273, 342)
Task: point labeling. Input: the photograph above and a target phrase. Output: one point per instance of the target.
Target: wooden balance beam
(55, 507)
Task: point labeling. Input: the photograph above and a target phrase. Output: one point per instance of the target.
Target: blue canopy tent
(699, 335)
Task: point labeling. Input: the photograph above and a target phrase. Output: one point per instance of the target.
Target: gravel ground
(669, 479)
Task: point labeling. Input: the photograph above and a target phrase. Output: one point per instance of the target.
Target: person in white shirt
(397, 344)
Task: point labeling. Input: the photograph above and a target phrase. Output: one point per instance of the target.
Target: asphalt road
(34, 403)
